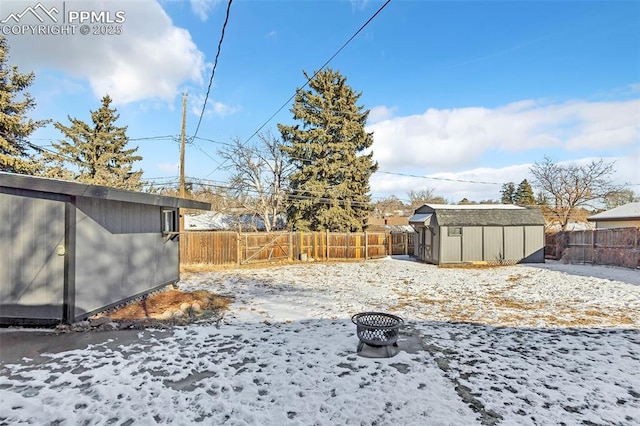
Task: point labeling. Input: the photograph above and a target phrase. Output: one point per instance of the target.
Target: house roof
(76, 189)
(480, 215)
(625, 212)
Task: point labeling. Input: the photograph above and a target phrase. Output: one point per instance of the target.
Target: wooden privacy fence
(228, 248)
(613, 246)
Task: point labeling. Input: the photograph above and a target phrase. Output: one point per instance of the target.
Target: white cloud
(213, 107)
(454, 139)
(202, 8)
(475, 184)
(380, 113)
(149, 60)
(484, 183)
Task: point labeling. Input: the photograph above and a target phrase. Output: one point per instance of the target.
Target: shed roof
(421, 219)
(625, 212)
(482, 214)
(56, 186)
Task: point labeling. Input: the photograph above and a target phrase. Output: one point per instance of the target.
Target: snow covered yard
(528, 345)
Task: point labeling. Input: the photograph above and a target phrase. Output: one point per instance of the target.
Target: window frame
(454, 231)
(169, 220)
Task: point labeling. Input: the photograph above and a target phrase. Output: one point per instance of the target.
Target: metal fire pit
(377, 329)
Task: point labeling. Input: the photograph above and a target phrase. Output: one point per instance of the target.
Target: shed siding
(31, 271)
(435, 249)
(513, 243)
(450, 247)
(120, 255)
(534, 242)
(471, 243)
(493, 243)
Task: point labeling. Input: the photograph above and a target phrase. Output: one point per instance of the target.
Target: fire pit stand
(377, 329)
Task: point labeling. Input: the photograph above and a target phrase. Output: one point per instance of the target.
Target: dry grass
(156, 306)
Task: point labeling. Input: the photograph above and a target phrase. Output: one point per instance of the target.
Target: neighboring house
(212, 221)
(492, 233)
(71, 249)
(626, 216)
(389, 224)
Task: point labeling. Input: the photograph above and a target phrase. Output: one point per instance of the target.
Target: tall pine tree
(97, 153)
(524, 194)
(329, 188)
(507, 193)
(15, 128)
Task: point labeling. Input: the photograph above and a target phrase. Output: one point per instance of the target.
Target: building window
(454, 231)
(169, 220)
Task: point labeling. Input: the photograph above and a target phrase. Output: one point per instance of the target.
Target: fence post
(405, 237)
(593, 246)
(366, 246)
(347, 238)
(389, 244)
(328, 249)
(238, 248)
(315, 245)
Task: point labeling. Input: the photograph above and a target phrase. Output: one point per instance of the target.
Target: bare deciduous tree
(567, 187)
(620, 198)
(387, 206)
(424, 196)
(258, 177)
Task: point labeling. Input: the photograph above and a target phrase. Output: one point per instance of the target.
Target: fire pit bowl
(377, 329)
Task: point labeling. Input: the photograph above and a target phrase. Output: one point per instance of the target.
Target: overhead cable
(213, 71)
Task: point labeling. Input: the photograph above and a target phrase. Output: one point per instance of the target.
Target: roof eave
(76, 189)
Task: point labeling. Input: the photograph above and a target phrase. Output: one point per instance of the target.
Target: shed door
(31, 258)
(426, 244)
(472, 244)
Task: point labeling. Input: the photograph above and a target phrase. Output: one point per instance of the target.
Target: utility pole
(183, 137)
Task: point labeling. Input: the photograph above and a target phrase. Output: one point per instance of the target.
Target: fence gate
(264, 247)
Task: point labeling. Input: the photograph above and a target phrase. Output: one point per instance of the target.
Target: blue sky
(471, 91)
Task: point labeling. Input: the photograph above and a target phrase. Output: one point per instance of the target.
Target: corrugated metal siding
(435, 250)
(493, 243)
(120, 252)
(513, 243)
(451, 247)
(471, 243)
(31, 271)
(534, 241)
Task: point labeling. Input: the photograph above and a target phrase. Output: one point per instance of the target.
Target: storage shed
(492, 233)
(71, 249)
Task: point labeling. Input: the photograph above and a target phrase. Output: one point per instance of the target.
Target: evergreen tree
(97, 153)
(329, 188)
(542, 199)
(507, 193)
(15, 127)
(524, 194)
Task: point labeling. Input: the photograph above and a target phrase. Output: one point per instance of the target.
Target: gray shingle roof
(627, 211)
(483, 215)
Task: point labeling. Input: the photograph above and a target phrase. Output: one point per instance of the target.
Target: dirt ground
(170, 304)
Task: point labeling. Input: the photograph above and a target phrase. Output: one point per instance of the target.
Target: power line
(416, 176)
(321, 68)
(213, 71)
(440, 178)
(309, 79)
(211, 140)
